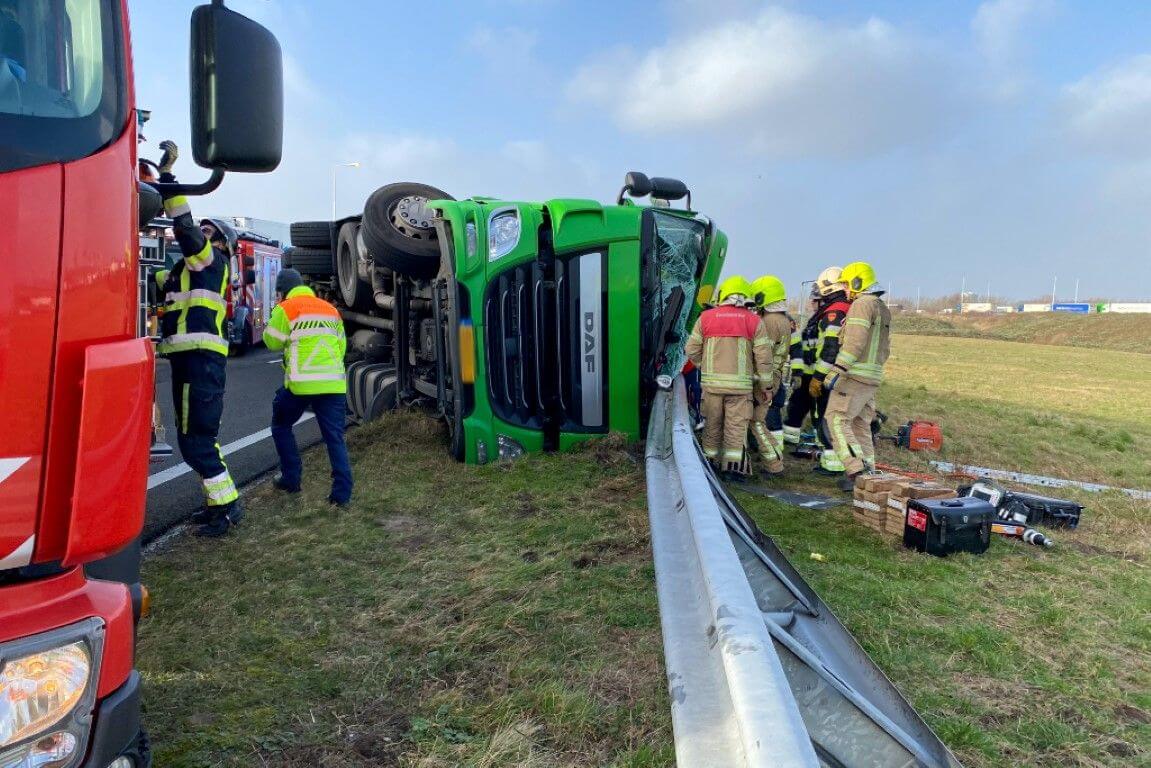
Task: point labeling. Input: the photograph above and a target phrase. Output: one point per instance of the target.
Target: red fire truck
(76, 381)
(253, 292)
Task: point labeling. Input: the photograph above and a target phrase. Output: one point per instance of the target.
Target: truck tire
(357, 293)
(312, 234)
(398, 229)
(312, 261)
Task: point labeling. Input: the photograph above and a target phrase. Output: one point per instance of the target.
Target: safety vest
(311, 333)
(194, 305)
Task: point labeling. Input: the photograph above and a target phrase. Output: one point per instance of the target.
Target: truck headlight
(503, 232)
(47, 690)
(509, 448)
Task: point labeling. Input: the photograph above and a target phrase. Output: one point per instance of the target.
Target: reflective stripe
(220, 489)
(325, 318)
(861, 322)
(183, 342)
(184, 410)
(303, 333)
(201, 260)
(270, 331)
(195, 293)
(177, 206)
(845, 357)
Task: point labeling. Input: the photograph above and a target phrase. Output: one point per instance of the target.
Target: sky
(1002, 144)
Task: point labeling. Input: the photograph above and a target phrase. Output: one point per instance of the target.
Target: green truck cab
(567, 311)
(527, 326)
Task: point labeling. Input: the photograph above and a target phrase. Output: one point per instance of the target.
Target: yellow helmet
(858, 276)
(768, 290)
(736, 284)
(829, 281)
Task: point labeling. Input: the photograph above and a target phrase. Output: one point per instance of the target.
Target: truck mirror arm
(192, 190)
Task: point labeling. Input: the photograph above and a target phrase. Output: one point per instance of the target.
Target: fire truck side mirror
(249, 277)
(237, 92)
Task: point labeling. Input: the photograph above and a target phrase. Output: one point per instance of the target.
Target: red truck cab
(75, 379)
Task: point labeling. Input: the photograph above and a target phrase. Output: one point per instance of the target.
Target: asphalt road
(173, 488)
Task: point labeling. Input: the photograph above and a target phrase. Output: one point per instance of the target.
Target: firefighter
(798, 403)
(833, 308)
(192, 338)
(854, 378)
(311, 333)
(770, 392)
(733, 352)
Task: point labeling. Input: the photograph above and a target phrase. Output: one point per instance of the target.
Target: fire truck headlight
(503, 232)
(47, 689)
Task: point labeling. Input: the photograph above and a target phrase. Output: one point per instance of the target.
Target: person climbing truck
(311, 333)
(770, 392)
(192, 338)
(854, 378)
(731, 347)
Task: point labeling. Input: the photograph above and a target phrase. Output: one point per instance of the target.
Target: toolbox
(1028, 508)
(942, 526)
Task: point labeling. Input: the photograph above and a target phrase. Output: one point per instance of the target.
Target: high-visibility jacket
(194, 305)
(732, 350)
(865, 343)
(828, 328)
(777, 326)
(311, 333)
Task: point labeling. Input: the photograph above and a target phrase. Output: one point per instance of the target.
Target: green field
(506, 615)
(1125, 333)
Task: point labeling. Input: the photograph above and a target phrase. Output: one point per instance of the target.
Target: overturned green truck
(525, 326)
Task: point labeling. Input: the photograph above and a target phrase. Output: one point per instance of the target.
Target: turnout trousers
(799, 406)
(330, 410)
(768, 436)
(198, 378)
(850, 409)
(725, 432)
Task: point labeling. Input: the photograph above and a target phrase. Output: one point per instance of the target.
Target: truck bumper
(116, 729)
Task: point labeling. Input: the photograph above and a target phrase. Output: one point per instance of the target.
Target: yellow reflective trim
(184, 409)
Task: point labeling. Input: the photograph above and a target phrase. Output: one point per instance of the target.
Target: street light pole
(335, 168)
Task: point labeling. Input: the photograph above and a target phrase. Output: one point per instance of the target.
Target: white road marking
(171, 473)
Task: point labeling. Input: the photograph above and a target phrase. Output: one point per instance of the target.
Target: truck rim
(412, 218)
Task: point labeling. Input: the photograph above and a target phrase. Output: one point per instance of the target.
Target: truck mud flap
(760, 671)
(372, 390)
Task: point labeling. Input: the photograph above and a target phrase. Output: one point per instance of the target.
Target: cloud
(1109, 111)
(998, 24)
(504, 47)
(781, 83)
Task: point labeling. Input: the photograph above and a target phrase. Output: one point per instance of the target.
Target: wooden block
(866, 506)
(919, 489)
(883, 481)
(875, 497)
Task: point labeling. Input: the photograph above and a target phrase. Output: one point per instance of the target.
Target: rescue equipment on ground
(1027, 508)
(941, 527)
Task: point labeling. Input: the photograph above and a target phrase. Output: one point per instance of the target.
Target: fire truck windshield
(62, 90)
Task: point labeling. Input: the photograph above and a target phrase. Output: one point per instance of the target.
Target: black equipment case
(1028, 508)
(942, 526)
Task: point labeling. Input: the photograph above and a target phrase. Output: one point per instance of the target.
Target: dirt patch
(398, 523)
(584, 561)
(1094, 551)
(526, 505)
(1132, 714)
(530, 557)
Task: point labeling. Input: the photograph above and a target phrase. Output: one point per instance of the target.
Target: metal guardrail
(760, 671)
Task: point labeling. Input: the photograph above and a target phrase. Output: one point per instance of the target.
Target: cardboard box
(869, 514)
(879, 483)
(875, 497)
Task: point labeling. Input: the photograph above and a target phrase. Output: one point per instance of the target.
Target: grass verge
(506, 615)
(1124, 333)
(453, 616)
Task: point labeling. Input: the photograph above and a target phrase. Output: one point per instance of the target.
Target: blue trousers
(287, 409)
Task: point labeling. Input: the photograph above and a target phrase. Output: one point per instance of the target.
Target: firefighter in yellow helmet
(854, 378)
(770, 393)
(731, 348)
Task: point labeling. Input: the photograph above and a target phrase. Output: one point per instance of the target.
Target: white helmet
(829, 282)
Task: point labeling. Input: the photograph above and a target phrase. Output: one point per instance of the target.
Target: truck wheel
(357, 293)
(312, 261)
(312, 234)
(398, 229)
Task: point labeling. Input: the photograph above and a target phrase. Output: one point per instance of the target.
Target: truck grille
(545, 345)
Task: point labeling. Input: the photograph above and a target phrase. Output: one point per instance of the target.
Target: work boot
(847, 482)
(223, 518)
(821, 470)
(279, 483)
(339, 504)
(202, 515)
(773, 468)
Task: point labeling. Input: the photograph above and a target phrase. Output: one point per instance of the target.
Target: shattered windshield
(678, 256)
